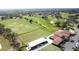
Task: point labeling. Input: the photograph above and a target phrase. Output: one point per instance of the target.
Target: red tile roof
(57, 37)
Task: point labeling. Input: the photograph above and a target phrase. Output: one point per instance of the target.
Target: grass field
(50, 48)
(28, 32)
(19, 26)
(33, 35)
(5, 44)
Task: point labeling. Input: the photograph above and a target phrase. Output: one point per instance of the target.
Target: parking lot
(68, 46)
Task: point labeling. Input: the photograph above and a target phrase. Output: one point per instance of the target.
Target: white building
(38, 44)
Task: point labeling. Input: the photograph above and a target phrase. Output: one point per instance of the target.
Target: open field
(50, 48)
(29, 28)
(28, 32)
(19, 26)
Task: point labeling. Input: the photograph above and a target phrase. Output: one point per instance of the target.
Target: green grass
(5, 44)
(50, 48)
(64, 15)
(33, 35)
(51, 28)
(19, 25)
(28, 32)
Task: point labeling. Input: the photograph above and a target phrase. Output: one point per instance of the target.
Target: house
(60, 36)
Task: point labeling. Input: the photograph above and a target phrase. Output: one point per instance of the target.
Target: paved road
(69, 45)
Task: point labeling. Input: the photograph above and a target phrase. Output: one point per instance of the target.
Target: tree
(7, 33)
(1, 29)
(31, 21)
(14, 40)
(58, 16)
(57, 24)
(26, 18)
(78, 26)
(45, 17)
(11, 36)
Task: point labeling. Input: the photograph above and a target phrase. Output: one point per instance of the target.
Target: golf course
(28, 32)
(31, 26)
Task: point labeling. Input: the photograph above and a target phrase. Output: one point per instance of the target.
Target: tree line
(9, 35)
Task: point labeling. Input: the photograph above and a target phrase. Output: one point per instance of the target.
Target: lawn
(33, 35)
(50, 48)
(19, 25)
(64, 15)
(28, 32)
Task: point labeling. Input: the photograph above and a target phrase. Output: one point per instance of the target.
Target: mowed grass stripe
(19, 25)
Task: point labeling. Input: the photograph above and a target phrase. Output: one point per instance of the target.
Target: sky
(14, 4)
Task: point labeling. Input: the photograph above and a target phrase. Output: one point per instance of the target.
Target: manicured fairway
(28, 32)
(33, 35)
(19, 26)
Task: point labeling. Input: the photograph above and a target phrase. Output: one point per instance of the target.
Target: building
(56, 38)
(60, 36)
(38, 44)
